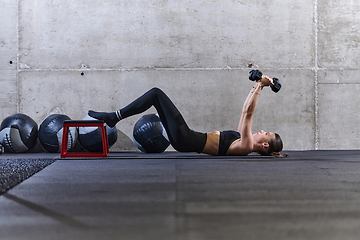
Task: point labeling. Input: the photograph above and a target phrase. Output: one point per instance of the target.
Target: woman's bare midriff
(212, 143)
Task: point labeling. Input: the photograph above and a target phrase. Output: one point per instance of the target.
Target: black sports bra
(226, 139)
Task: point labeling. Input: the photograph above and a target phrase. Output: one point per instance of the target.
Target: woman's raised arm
(245, 123)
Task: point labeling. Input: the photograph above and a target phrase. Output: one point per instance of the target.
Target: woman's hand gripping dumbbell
(256, 75)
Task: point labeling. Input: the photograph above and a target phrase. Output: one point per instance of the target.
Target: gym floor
(130, 195)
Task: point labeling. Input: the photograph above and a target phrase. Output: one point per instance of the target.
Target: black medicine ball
(149, 134)
(18, 133)
(51, 133)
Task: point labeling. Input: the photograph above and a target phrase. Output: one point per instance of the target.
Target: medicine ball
(149, 134)
(90, 137)
(51, 133)
(18, 133)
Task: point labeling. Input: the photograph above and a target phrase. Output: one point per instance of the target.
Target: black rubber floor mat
(14, 171)
(166, 155)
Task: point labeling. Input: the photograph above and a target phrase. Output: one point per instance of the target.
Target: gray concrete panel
(338, 76)
(120, 35)
(8, 93)
(338, 110)
(8, 58)
(339, 34)
(8, 36)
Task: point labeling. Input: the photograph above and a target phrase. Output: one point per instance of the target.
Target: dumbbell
(256, 75)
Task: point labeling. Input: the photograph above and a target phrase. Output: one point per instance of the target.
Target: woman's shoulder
(238, 149)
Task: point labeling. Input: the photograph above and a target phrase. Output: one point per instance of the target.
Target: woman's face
(261, 137)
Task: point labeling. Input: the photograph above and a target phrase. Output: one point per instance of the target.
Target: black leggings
(181, 137)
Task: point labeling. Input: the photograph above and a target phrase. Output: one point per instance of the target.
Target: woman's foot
(110, 118)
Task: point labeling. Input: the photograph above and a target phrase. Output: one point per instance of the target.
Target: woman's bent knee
(156, 90)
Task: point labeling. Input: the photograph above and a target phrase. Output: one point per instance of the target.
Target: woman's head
(275, 145)
(271, 142)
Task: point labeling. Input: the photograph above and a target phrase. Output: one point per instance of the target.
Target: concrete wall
(199, 52)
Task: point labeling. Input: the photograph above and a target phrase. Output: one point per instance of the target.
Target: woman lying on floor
(183, 139)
